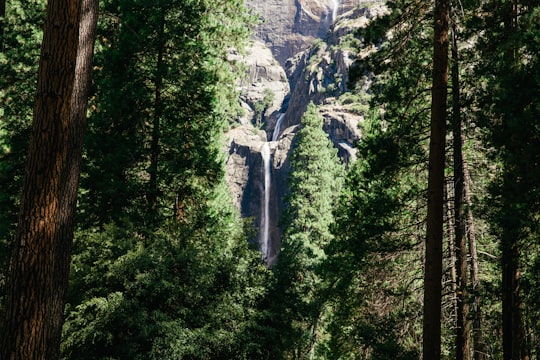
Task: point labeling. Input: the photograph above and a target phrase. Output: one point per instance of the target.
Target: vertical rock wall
(315, 72)
(289, 26)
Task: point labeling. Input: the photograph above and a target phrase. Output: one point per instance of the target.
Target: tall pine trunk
(155, 150)
(39, 269)
(463, 326)
(514, 347)
(479, 347)
(451, 248)
(435, 211)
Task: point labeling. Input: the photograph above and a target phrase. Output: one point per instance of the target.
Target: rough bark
(435, 211)
(513, 331)
(451, 249)
(463, 326)
(153, 190)
(41, 258)
(475, 310)
(514, 346)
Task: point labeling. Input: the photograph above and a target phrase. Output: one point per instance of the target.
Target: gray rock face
(298, 36)
(246, 178)
(264, 78)
(320, 73)
(290, 26)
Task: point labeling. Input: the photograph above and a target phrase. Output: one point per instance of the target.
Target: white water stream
(264, 240)
(349, 149)
(265, 216)
(335, 8)
(277, 128)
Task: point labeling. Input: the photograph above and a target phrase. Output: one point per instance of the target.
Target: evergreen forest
(119, 236)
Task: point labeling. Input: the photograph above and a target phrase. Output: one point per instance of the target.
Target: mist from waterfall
(265, 216)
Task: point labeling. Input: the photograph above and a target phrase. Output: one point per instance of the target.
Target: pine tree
(509, 96)
(34, 312)
(158, 98)
(161, 256)
(314, 182)
(378, 234)
(437, 151)
(187, 290)
(22, 35)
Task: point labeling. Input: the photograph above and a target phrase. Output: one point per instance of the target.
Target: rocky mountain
(288, 27)
(301, 52)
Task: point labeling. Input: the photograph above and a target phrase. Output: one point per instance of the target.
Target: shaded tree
(378, 234)
(160, 255)
(159, 99)
(463, 347)
(18, 66)
(187, 290)
(314, 182)
(508, 70)
(34, 312)
(437, 152)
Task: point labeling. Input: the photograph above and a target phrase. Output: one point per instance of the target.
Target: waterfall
(335, 8)
(277, 128)
(264, 229)
(349, 149)
(265, 214)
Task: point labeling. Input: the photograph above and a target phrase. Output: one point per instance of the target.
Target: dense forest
(119, 238)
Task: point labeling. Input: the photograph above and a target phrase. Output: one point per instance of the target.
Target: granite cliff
(301, 52)
(288, 27)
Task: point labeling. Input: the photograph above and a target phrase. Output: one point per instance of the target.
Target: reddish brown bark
(41, 258)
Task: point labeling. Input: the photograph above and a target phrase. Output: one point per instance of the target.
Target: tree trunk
(463, 326)
(435, 212)
(451, 250)
(153, 190)
(476, 313)
(514, 347)
(41, 257)
(513, 331)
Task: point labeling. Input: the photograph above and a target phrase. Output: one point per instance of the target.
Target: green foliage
(356, 102)
(177, 280)
(180, 281)
(376, 234)
(315, 180)
(259, 108)
(374, 262)
(18, 66)
(187, 290)
(378, 225)
(507, 68)
(187, 119)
